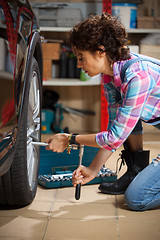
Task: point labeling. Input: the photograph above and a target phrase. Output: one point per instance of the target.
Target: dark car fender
(35, 50)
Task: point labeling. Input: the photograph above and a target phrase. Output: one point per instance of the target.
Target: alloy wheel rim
(33, 129)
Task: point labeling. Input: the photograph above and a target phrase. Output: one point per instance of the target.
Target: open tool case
(56, 168)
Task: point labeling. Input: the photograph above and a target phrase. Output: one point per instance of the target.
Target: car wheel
(18, 186)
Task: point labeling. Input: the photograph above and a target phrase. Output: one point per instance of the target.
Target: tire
(18, 186)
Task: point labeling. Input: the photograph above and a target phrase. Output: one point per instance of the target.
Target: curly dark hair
(96, 31)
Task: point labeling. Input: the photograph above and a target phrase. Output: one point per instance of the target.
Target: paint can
(127, 13)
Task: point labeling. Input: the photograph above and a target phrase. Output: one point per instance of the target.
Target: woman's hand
(83, 175)
(86, 174)
(57, 143)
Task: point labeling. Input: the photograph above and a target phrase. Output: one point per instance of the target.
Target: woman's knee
(137, 199)
(135, 195)
(133, 202)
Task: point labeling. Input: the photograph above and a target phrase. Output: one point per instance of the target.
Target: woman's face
(93, 63)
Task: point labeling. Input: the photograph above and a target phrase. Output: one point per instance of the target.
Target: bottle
(77, 70)
(63, 63)
(71, 71)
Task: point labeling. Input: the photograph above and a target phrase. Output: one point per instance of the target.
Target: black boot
(136, 162)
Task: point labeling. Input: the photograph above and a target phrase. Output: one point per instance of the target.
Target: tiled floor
(55, 214)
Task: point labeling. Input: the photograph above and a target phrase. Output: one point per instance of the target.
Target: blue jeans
(143, 193)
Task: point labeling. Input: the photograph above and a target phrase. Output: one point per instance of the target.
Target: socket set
(56, 169)
(64, 178)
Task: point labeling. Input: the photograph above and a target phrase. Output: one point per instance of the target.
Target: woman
(133, 94)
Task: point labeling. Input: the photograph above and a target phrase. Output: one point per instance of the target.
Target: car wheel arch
(35, 51)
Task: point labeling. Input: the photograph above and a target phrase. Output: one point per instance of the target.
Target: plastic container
(47, 120)
(2, 51)
(127, 13)
(84, 76)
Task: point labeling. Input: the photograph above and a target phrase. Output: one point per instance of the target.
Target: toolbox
(56, 168)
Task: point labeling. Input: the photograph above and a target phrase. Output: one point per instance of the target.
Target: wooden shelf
(55, 29)
(70, 82)
(143, 30)
(6, 75)
(66, 29)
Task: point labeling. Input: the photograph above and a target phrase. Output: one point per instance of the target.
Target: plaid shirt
(138, 96)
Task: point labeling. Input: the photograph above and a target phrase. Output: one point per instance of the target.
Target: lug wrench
(40, 143)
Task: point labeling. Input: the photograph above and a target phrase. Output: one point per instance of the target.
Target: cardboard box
(148, 22)
(51, 51)
(134, 48)
(150, 50)
(47, 69)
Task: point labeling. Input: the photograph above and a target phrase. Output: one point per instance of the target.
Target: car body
(21, 73)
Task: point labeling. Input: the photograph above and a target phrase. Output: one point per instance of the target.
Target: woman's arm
(137, 90)
(59, 142)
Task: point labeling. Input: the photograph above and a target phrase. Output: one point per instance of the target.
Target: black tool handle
(78, 191)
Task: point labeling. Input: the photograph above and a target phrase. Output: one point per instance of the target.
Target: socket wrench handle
(78, 186)
(78, 191)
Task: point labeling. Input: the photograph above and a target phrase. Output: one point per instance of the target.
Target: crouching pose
(132, 89)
